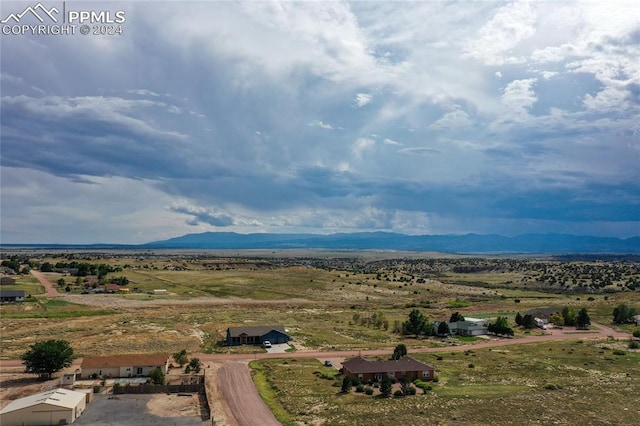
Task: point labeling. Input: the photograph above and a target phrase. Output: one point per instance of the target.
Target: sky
(426, 117)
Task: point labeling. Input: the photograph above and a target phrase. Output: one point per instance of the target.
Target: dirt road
(50, 290)
(234, 380)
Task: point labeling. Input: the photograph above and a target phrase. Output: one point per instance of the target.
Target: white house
(469, 327)
(54, 407)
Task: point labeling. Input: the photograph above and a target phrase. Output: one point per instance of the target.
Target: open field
(328, 303)
(569, 382)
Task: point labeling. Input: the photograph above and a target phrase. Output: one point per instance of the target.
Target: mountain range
(468, 243)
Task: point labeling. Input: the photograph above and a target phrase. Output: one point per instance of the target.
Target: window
(391, 375)
(426, 374)
(377, 377)
(139, 370)
(360, 376)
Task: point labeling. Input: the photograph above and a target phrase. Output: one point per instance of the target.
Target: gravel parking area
(127, 410)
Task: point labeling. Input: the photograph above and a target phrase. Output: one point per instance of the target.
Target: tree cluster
(623, 314)
(500, 327)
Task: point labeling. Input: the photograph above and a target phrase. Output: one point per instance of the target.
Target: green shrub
(471, 366)
(97, 389)
(397, 393)
(551, 386)
(360, 388)
(636, 333)
(634, 344)
(368, 390)
(618, 352)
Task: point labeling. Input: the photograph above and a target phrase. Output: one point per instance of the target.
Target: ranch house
(373, 371)
(123, 365)
(256, 335)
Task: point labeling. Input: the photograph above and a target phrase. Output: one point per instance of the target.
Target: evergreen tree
(443, 329)
(346, 384)
(518, 319)
(455, 317)
(416, 323)
(569, 316)
(528, 321)
(583, 319)
(399, 352)
(386, 386)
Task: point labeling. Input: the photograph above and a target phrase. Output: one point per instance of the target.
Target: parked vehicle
(266, 344)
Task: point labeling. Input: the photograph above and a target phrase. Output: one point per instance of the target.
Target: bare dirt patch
(174, 405)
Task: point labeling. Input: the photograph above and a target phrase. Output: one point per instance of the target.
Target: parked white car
(266, 344)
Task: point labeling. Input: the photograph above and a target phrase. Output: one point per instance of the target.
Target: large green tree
(443, 329)
(583, 320)
(416, 324)
(623, 314)
(47, 357)
(455, 317)
(500, 327)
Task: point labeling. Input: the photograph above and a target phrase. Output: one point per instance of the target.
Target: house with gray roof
(7, 296)
(255, 335)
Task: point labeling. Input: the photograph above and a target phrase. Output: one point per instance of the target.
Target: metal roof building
(54, 407)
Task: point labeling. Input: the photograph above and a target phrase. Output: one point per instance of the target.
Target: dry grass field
(326, 302)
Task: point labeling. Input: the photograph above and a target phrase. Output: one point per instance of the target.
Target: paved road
(236, 385)
(50, 290)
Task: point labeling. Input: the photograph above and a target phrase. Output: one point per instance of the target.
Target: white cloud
(455, 119)
(363, 99)
(321, 124)
(517, 97)
(362, 145)
(509, 26)
(391, 142)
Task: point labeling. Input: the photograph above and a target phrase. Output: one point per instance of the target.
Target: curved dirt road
(236, 385)
(50, 290)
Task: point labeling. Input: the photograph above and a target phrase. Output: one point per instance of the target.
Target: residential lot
(142, 410)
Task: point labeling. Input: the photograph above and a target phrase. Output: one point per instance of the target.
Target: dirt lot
(142, 410)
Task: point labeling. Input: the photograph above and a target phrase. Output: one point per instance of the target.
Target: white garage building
(54, 407)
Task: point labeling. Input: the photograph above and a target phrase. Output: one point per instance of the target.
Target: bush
(618, 352)
(116, 387)
(368, 390)
(97, 389)
(636, 333)
(471, 366)
(360, 388)
(397, 393)
(551, 386)
(634, 344)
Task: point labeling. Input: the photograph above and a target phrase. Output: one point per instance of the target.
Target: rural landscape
(338, 305)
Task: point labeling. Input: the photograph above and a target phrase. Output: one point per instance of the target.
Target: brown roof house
(373, 371)
(123, 365)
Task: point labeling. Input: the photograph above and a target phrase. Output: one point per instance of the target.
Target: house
(54, 407)
(256, 335)
(469, 327)
(636, 318)
(160, 291)
(7, 296)
(111, 288)
(123, 365)
(373, 371)
(7, 281)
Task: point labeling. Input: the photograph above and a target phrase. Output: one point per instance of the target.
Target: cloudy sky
(426, 117)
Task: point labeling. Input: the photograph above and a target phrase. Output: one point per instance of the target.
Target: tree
(47, 357)
(518, 319)
(443, 329)
(181, 357)
(61, 282)
(346, 384)
(500, 327)
(386, 386)
(583, 320)
(557, 319)
(569, 316)
(455, 317)
(416, 323)
(46, 267)
(195, 364)
(623, 314)
(405, 386)
(528, 321)
(157, 376)
(399, 352)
